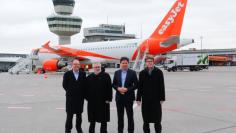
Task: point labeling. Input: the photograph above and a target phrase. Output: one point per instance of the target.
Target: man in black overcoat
(74, 83)
(151, 93)
(125, 82)
(99, 96)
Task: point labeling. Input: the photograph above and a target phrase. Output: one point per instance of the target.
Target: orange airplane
(165, 38)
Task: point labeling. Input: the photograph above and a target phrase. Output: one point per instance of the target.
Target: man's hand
(162, 102)
(138, 102)
(122, 90)
(107, 101)
(125, 89)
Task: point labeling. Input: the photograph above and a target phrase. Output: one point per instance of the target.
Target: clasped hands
(122, 90)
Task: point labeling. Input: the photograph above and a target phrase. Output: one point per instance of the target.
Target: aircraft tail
(167, 34)
(171, 25)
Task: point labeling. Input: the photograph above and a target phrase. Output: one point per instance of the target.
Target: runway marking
(60, 108)
(172, 89)
(232, 91)
(112, 108)
(2, 94)
(226, 109)
(231, 87)
(23, 108)
(220, 129)
(173, 109)
(204, 87)
(204, 90)
(27, 95)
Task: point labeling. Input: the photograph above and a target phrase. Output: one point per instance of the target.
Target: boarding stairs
(23, 65)
(140, 60)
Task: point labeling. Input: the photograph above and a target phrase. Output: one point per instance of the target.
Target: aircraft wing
(81, 54)
(59, 50)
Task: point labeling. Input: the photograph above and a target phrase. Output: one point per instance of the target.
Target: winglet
(46, 45)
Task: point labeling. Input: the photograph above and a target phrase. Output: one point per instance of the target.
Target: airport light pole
(201, 37)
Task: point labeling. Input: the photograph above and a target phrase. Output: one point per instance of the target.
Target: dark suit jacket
(75, 91)
(131, 83)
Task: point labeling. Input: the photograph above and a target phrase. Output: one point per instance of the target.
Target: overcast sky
(23, 24)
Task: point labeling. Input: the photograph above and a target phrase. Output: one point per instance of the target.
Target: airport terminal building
(106, 32)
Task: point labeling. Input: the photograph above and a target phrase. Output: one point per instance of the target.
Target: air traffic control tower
(63, 23)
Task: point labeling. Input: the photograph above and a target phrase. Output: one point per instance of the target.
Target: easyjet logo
(171, 19)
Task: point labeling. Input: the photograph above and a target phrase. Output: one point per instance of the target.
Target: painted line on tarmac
(231, 91)
(226, 109)
(231, 87)
(220, 129)
(203, 87)
(173, 109)
(172, 89)
(27, 95)
(2, 94)
(60, 108)
(23, 108)
(112, 108)
(204, 90)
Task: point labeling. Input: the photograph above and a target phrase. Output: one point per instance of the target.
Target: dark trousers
(69, 123)
(103, 128)
(157, 126)
(128, 105)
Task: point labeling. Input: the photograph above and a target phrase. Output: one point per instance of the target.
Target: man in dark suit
(125, 82)
(151, 92)
(74, 83)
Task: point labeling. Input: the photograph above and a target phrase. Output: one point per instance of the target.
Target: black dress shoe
(80, 131)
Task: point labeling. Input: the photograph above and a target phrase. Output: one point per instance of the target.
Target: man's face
(76, 65)
(124, 65)
(97, 68)
(149, 63)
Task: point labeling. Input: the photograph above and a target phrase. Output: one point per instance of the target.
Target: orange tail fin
(167, 34)
(172, 23)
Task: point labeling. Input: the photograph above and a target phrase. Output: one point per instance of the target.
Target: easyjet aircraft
(165, 38)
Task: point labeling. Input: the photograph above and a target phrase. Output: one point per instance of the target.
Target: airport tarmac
(197, 102)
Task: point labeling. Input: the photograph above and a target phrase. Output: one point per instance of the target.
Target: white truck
(192, 62)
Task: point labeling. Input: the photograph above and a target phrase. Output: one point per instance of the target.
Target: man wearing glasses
(99, 96)
(151, 93)
(74, 83)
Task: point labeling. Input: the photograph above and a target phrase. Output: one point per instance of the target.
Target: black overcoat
(151, 90)
(99, 91)
(75, 91)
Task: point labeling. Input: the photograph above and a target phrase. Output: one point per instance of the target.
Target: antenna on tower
(141, 30)
(107, 19)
